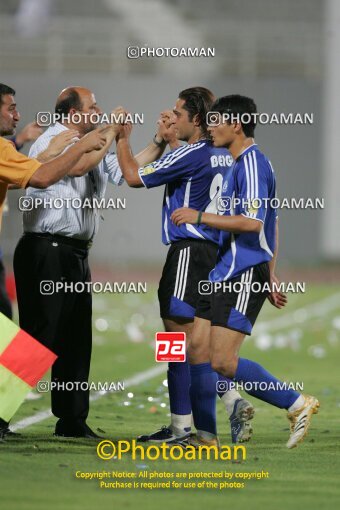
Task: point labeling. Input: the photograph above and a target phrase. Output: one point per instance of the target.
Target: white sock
(179, 422)
(297, 404)
(229, 399)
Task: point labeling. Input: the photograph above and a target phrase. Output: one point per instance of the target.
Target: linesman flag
(23, 361)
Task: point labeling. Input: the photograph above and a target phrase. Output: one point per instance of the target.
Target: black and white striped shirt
(79, 223)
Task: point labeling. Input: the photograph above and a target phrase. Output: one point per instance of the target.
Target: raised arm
(54, 170)
(57, 145)
(92, 159)
(129, 163)
(165, 135)
(87, 161)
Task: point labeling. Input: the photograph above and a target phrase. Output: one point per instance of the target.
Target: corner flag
(23, 361)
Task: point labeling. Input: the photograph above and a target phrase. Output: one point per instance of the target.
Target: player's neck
(239, 145)
(197, 136)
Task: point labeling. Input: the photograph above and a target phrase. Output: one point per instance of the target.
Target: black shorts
(236, 306)
(187, 263)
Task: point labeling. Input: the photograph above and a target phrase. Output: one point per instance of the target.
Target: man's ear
(196, 120)
(238, 127)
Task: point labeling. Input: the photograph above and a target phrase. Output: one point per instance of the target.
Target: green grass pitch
(301, 343)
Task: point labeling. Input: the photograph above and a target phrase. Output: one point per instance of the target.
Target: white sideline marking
(299, 316)
(132, 381)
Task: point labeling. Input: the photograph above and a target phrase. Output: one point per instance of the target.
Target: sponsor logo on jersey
(149, 169)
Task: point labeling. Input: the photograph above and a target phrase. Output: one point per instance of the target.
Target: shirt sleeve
(16, 168)
(112, 169)
(174, 165)
(252, 189)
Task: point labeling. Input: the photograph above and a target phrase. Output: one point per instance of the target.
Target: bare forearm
(128, 163)
(45, 156)
(91, 159)
(149, 154)
(52, 171)
(235, 224)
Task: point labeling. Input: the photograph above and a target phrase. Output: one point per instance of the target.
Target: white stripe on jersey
(252, 177)
(247, 177)
(256, 175)
(171, 155)
(187, 193)
(188, 226)
(176, 157)
(250, 165)
(167, 201)
(193, 230)
(263, 242)
(233, 251)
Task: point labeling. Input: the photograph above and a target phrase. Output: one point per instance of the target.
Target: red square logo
(170, 347)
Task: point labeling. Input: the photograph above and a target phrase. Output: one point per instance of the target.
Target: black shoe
(74, 429)
(8, 432)
(5, 431)
(2, 435)
(163, 435)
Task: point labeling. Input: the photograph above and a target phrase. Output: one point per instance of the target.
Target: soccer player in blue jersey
(192, 175)
(246, 256)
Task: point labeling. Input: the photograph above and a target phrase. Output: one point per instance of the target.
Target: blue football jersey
(248, 189)
(193, 175)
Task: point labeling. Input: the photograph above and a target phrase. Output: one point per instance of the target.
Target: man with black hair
(192, 175)
(246, 260)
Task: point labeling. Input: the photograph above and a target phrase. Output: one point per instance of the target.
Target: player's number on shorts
(215, 193)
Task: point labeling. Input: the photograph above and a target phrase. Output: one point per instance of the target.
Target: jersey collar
(246, 150)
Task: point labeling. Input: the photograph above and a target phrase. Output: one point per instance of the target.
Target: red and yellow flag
(23, 361)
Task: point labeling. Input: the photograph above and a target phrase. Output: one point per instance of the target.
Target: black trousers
(5, 303)
(61, 321)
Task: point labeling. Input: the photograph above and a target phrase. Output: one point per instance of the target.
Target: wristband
(159, 144)
(199, 217)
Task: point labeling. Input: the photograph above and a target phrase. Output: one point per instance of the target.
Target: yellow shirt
(15, 168)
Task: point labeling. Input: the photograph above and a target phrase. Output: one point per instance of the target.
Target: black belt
(71, 241)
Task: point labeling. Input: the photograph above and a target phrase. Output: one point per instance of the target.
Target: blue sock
(249, 371)
(203, 397)
(178, 386)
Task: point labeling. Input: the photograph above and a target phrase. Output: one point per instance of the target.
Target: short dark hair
(5, 90)
(71, 100)
(236, 105)
(198, 101)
